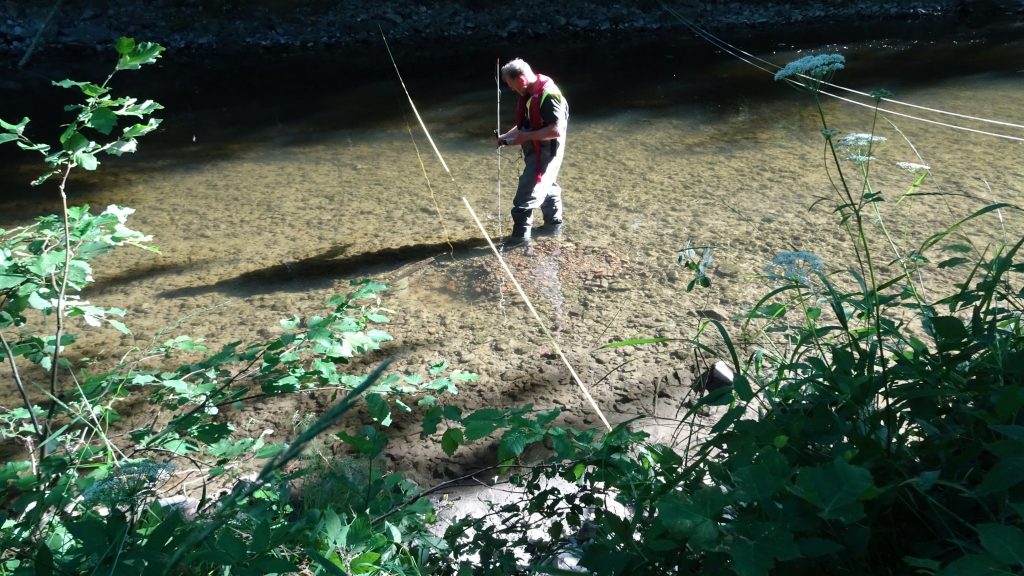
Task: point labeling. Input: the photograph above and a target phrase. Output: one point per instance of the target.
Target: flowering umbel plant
(811, 71)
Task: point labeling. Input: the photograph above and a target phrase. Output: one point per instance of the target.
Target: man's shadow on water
(322, 270)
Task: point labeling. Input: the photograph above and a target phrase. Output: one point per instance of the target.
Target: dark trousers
(530, 195)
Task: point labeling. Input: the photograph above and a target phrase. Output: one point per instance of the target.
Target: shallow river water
(274, 183)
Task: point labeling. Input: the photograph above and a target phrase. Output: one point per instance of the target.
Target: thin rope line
(936, 122)
(735, 52)
(413, 105)
(433, 197)
(540, 322)
(936, 110)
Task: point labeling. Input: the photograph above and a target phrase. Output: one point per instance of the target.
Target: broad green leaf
(836, 489)
(1007, 473)
(431, 418)
(333, 529)
(1004, 542)
(512, 445)
(8, 138)
(270, 450)
(364, 563)
(756, 547)
(87, 88)
(8, 281)
(230, 545)
(122, 147)
(974, 565)
(36, 301)
(379, 409)
(450, 440)
(360, 531)
(1010, 430)
(693, 517)
(17, 128)
(46, 263)
(482, 423)
(73, 141)
(135, 55)
(815, 547)
(211, 432)
(119, 326)
(948, 329)
(132, 107)
(103, 120)
(769, 472)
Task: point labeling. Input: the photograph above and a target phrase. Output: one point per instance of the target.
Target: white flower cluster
(818, 67)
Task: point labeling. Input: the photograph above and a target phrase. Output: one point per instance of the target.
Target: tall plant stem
(61, 290)
(867, 266)
(21, 386)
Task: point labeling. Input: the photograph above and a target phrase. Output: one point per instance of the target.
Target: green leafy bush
(187, 492)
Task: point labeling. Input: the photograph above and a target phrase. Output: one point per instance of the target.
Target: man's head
(518, 75)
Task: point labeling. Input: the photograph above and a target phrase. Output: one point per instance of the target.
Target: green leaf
(758, 545)
(431, 418)
(86, 160)
(759, 481)
(16, 128)
(230, 545)
(482, 423)
(929, 566)
(1004, 542)
(87, 88)
(37, 301)
(816, 547)
(450, 440)
(512, 445)
(8, 138)
(211, 432)
(271, 450)
(693, 517)
(948, 329)
(119, 326)
(973, 565)
(1006, 474)
(8, 281)
(72, 141)
(380, 411)
(364, 563)
(46, 263)
(325, 563)
(836, 489)
(636, 342)
(103, 120)
(135, 55)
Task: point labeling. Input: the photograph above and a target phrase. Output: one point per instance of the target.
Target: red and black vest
(535, 99)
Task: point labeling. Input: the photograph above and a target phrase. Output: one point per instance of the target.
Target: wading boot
(551, 228)
(520, 237)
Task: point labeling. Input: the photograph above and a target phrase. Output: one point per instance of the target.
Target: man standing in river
(542, 117)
